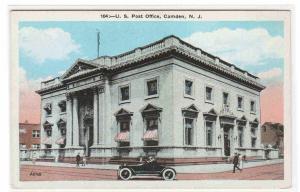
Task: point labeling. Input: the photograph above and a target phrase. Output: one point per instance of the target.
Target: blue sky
(119, 37)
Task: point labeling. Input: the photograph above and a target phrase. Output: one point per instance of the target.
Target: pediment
(243, 118)
(47, 125)
(61, 121)
(149, 107)
(255, 121)
(79, 67)
(123, 112)
(192, 108)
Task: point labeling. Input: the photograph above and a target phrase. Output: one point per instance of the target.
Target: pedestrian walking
(235, 162)
(77, 160)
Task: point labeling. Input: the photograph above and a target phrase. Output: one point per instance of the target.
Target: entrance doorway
(88, 135)
(227, 140)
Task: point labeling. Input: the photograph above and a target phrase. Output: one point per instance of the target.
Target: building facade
(168, 99)
(272, 135)
(29, 135)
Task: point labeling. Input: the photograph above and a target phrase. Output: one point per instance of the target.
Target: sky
(47, 49)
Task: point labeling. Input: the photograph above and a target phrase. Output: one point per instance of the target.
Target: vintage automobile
(146, 169)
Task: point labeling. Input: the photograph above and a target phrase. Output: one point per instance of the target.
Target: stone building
(168, 99)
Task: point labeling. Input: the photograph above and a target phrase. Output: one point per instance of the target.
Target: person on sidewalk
(235, 162)
(77, 160)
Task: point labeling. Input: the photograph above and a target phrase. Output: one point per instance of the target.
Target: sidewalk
(208, 168)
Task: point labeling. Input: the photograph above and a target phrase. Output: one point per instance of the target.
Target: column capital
(71, 95)
(98, 89)
(68, 95)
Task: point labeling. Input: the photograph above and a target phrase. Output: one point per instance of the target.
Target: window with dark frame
(124, 93)
(152, 123)
(253, 142)
(253, 131)
(208, 93)
(48, 108)
(63, 131)
(240, 102)
(189, 125)
(124, 126)
(209, 133)
(225, 98)
(252, 106)
(35, 146)
(49, 132)
(35, 133)
(188, 87)
(152, 87)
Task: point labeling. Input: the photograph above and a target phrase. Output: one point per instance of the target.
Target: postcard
(150, 98)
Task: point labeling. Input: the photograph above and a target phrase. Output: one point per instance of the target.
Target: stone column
(69, 121)
(235, 136)
(108, 115)
(101, 103)
(247, 135)
(95, 118)
(217, 132)
(75, 122)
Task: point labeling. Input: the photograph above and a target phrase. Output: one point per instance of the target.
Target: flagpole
(98, 43)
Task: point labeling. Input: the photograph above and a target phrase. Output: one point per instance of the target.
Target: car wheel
(169, 174)
(125, 174)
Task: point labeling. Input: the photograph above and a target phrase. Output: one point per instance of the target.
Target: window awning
(61, 140)
(47, 141)
(151, 135)
(122, 136)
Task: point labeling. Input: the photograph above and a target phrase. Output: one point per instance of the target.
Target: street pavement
(204, 168)
(59, 173)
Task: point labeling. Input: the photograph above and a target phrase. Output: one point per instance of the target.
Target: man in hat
(235, 162)
(77, 160)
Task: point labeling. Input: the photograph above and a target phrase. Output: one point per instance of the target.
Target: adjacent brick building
(272, 134)
(29, 135)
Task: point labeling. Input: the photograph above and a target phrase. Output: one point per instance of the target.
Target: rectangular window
(124, 93)
(35, 146)
(48, 108)
(189, 125)
(225, 98)
(63, 132)
(152, 124)
(209, 133)
(49, 132)
(252, 106)
(35, 133)
(241, 136)
(188, 87)
(253, 142)
(208, 95)
(240, 102)
(124, 126)
(62, 106)
(253, 132)
(152, 87)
